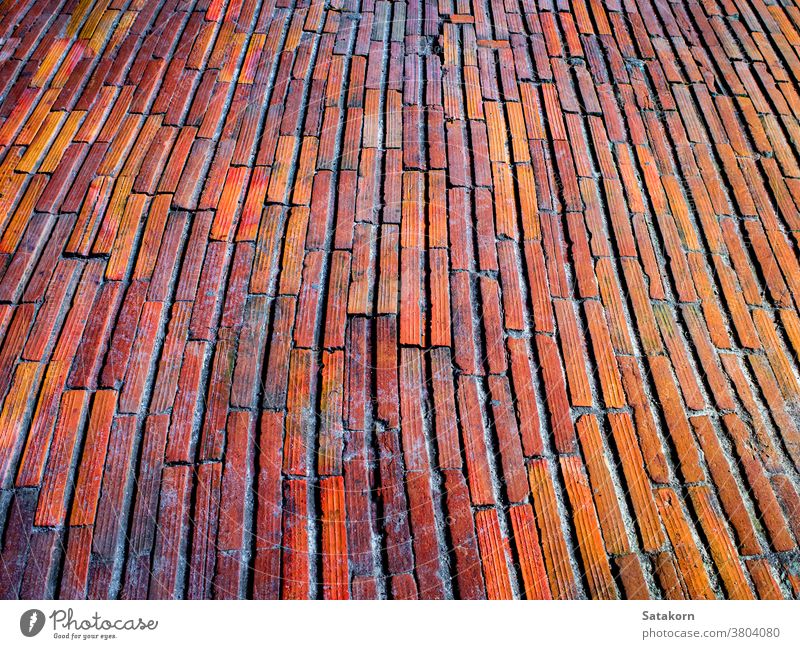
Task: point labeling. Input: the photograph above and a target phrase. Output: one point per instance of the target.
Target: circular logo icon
(31, 622)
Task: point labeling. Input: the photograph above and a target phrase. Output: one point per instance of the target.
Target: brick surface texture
(412, 299)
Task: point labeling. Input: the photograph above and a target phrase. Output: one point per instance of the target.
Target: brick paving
(415, 299)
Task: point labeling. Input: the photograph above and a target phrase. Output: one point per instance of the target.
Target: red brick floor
(428, 298)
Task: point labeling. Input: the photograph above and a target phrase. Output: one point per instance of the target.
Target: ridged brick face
(414, 299)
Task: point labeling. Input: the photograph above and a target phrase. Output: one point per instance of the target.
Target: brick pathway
(428, 298)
